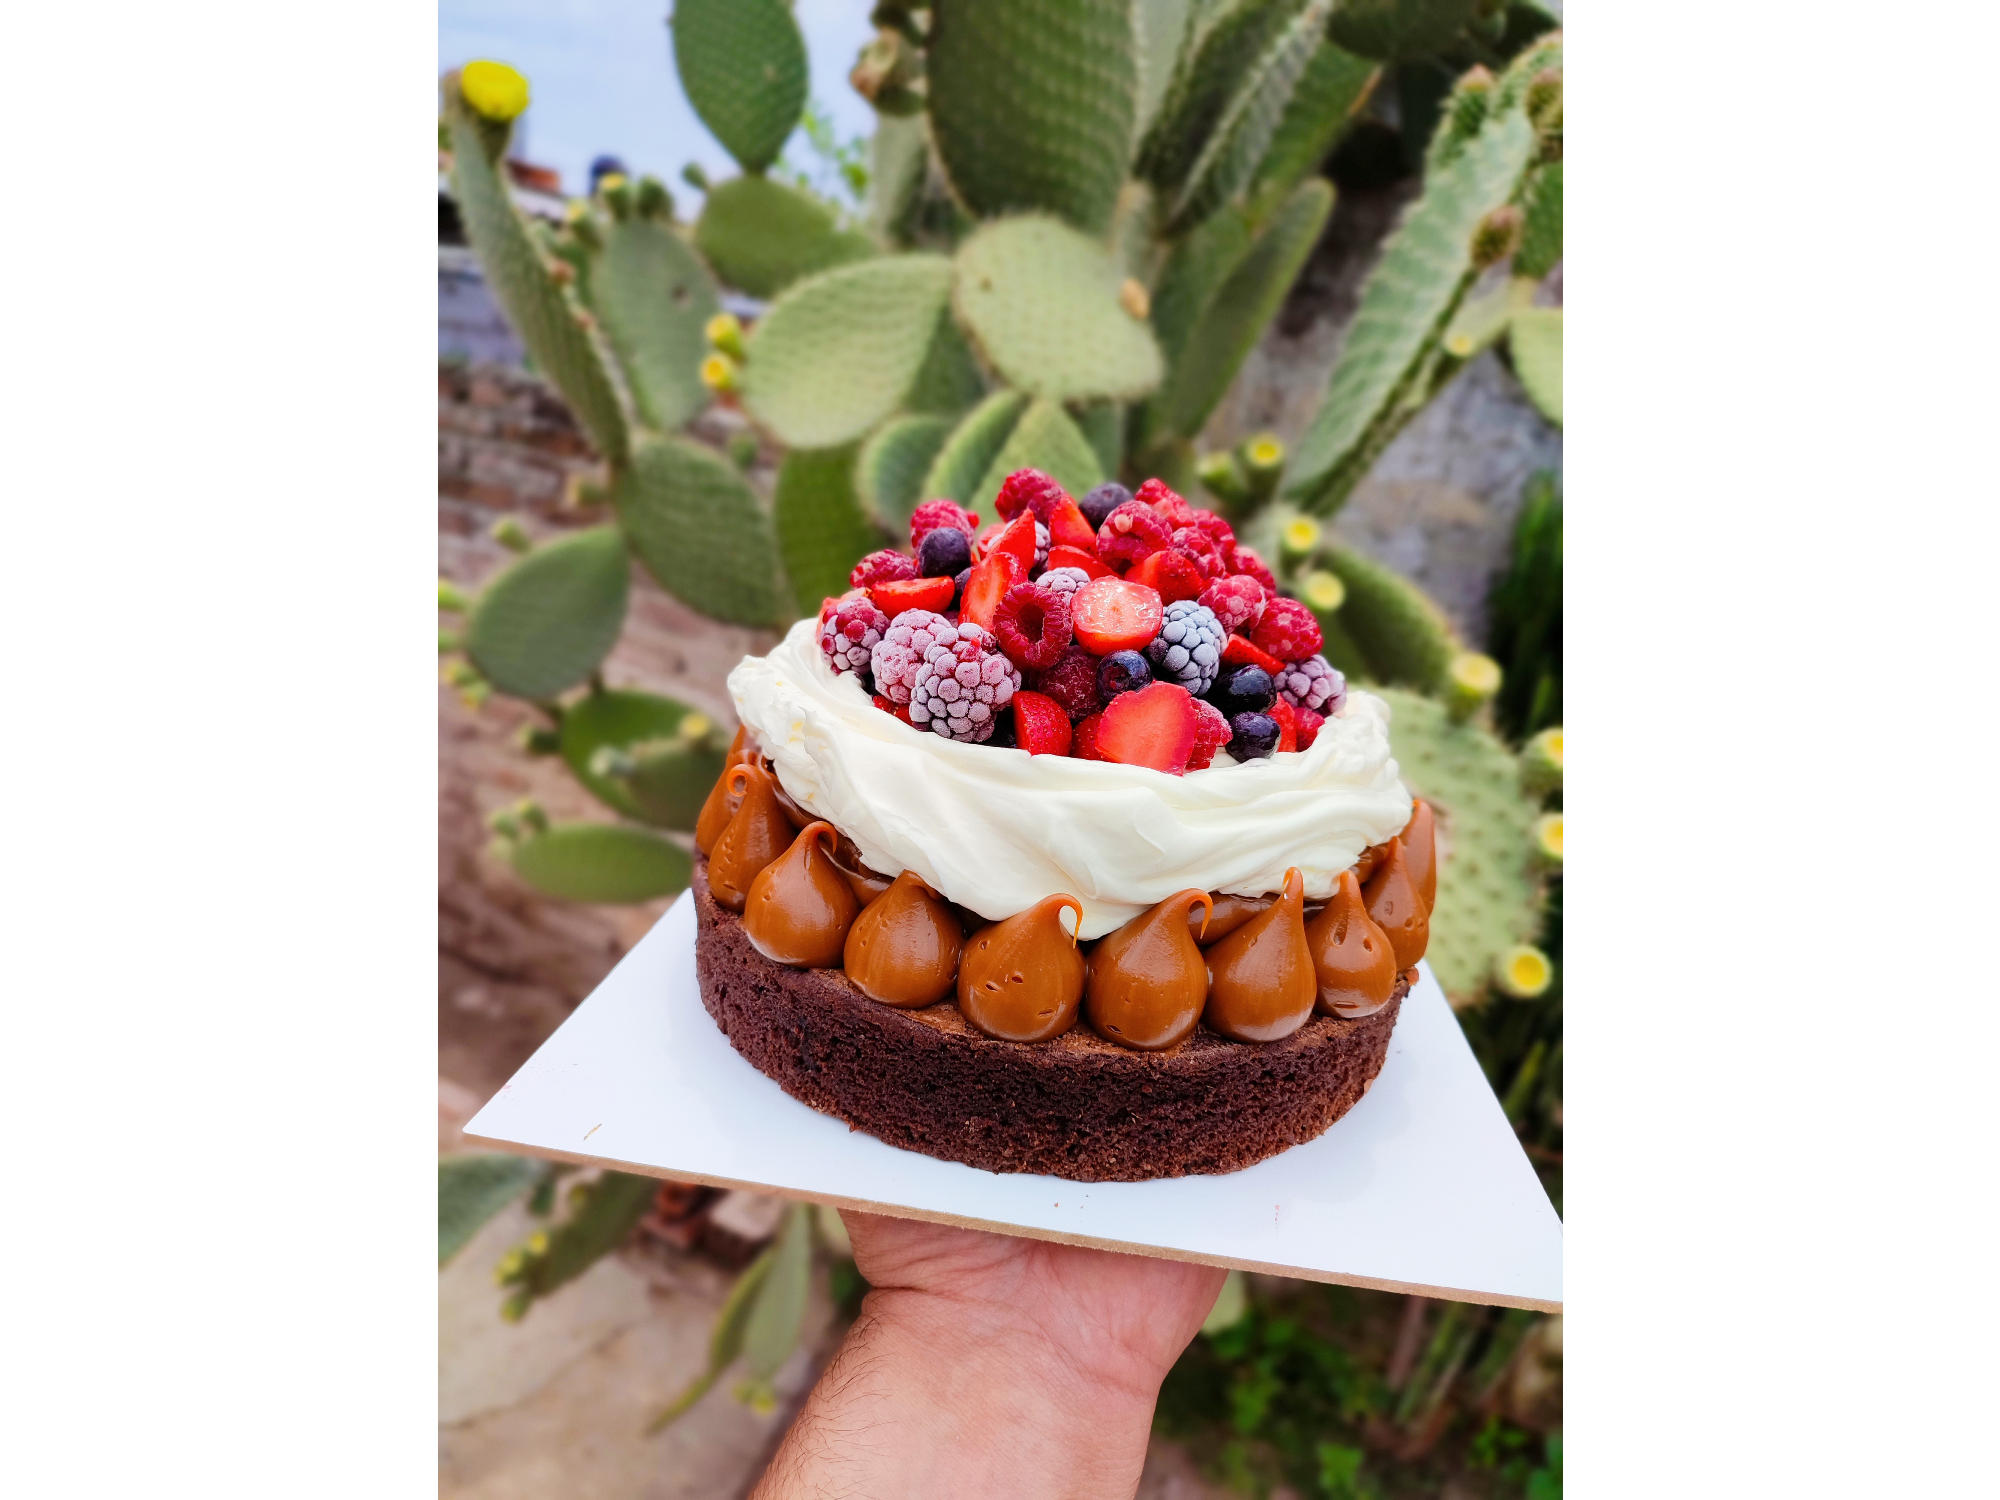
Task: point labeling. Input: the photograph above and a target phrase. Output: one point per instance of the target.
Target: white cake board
(1421, 1187)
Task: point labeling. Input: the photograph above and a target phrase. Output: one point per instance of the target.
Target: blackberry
(944, 553)
(1188, 649)
(1101, 501)
(1122, 672)
(1252, 736)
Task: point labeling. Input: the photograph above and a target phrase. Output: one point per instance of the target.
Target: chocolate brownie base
(1077, 1107)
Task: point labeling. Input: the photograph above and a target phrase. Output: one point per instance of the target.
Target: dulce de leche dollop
(1230, 913)
(757, 833)
(1261, 984)
(1020, 980)
(800, 907)
(1147, 981)
(903, 949)
(1420, 851)
(1352, 958)
(1397, 907)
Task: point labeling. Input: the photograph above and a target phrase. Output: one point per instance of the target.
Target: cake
(1059, 847)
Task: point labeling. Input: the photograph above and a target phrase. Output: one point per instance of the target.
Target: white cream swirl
(997, 830)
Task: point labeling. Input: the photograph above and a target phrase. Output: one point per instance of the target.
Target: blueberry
(946, 551)
(1122, 672)
(1245, 690)
(1252, 737)
(958, 587)
(1101, 501)
(1005, 734)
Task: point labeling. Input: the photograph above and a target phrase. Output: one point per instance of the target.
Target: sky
(601, 79)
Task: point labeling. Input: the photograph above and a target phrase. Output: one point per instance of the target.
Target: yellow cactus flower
(610, 182)
(493, 89)
(1549, 838)
(1299, 537)
(1323, 592)
(1523, 972)
(725, 333)
(718, 373)
(1264, 451)
(696, 726)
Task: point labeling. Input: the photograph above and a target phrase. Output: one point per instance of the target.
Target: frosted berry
(1211, 733)
(932, 514)
(886, 566)
(1032, 625)
(945, 552)
(1071, 682)
(1253, 736)
(1167, 505)
(962, 685)
(1314, 684)
(1287, 631)
(850, 634)
(1029, 489)
(1309, 726)
(1101, 501)
(1188, 649)
(1218, 531)
(1064, 581)
(1122, 672)
(1243, 690)
(1131, 532)
(1199, 547)
(1245, 560)
(901, 650)
(1237, 602)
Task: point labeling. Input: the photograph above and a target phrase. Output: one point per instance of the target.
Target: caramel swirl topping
(1147, 981)
(799, 908)
(904, 947)
(757, 833)
(1261, 982)
(1352, 957)
(1021, 980)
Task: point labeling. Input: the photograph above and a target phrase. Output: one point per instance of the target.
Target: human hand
(984, 1364)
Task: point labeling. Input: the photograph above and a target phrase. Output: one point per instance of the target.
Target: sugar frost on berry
(901, 650)
(962, 685)
(1315, 684)
(850, 633)
(1188, 649)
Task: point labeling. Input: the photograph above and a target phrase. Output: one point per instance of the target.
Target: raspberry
(1064, 581)
(900, 652)
(1217, 530)
(849, 635)
(1032, 625)
(932, 514)
(961, 685)
(1167, 505)
(1211, 733)
(886, 566)
(1029, 489)
(1130, 532)
(1314, 684)
(1199, 546)
(1245, 560)
(1288, 630)
(1309, 723)
(1072, 682)
(1188, 649)
(1238, 602)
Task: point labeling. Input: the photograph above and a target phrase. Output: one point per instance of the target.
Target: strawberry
(988, 585)
(911, 593)
(900, 710)
(1211, 732)
(1153, 727)
(1068, 528)
(1017, 537)
(1288, 725)
(1238, 651)
(1310, 721)
(1076, 557)
(1110, 614)
(1083, 741)
(1040, 725)
(1173, 575)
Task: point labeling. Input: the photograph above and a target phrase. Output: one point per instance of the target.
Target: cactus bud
(886, 70)
(609, 762)
(504, 823)
(653, 200)
(725, 333)
(1323, 592)
(1132, 297)
(449, 597)
(575, 211)
(1222, 478)
(538, 739)
(1262, 456)
(696, 726)
(447, 641)
(561, 272)
(1542, 763)
(759, 1395)
(1523, 973)
(1299, 539)
(460, 674)
(531, 815)
(583, 487)
(1549, 840)
(494, 90)
(1470, 680)
(474, 694)
(718, 373)
(1471, 101)
(579, 1194)
(743, 449)
(1544, 100)
(586, 233)
(617, 194)
(538, 1243)
(694, 177)
(515, 1307)
(511, 1265)
(1498, 236)
(510, 534)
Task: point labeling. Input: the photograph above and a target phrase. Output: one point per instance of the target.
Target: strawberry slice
(1083, 741)
(988, 585)
(1040, 725)
(1076, 557)
(1288, 725)
(1237, 651)
(1153, 727)
(1069, 528)
(1174, 575)
(1018, 537)
(1111, 614)
(911, 593)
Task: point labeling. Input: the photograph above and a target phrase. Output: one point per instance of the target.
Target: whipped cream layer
(997, 830)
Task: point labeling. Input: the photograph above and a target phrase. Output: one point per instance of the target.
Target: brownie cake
(1085, 766)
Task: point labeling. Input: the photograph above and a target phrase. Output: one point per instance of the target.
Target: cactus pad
(1046, 439)
(1223, 43)
(1160, 28)
(962, 462)
(1032, 104)
(833, 356)
(1042, 304)
(889, 471)
(898, 160)
(611, 863)
(1398, 633)
(622, 720)
(760, 236)
(1542, 235)
(472, 1189)
(653, 296)
(821, 530)
(1334, 87)
(1391, 30)
(948, 381)
(699, 529)
(1535, 339)
(743, 65)
(546, 622)
(1489, 895)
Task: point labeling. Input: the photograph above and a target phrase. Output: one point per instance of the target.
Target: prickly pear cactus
(1386, 628)
(761, 236)
(1045, 438)
(545, 623)
(653, 296)
(700, 530)
(608, 863)
(622, 720)
(1395, 29)
(743, 66)
(889, 471)
(602, 1214)
(1535, 340)
(822, 531)
(961, 464)
(1331, 91)
(472, 1189)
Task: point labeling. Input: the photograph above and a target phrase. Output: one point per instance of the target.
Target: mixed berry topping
(1110, 626)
